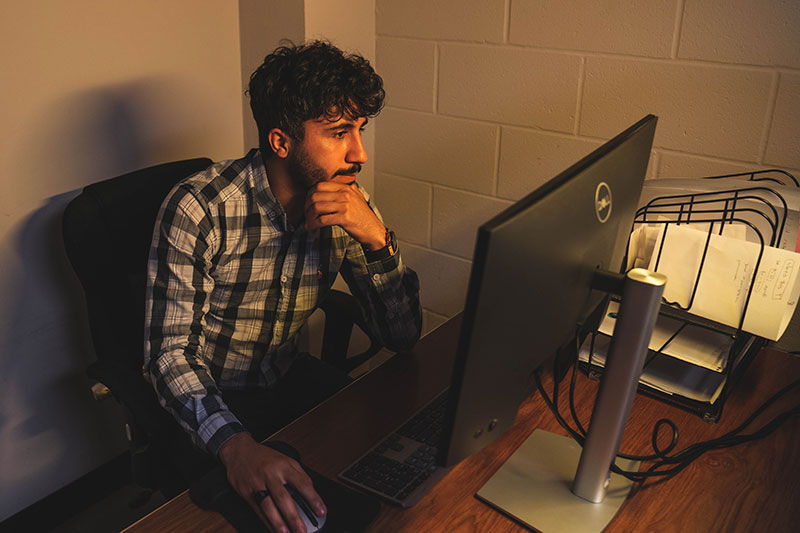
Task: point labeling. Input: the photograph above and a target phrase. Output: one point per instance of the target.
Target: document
(665, 374)
(737, 279)
(692, 343)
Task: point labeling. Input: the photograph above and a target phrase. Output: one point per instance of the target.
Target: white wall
(91, 89)
(479, 87)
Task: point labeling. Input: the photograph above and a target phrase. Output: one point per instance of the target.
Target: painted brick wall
(487, 99)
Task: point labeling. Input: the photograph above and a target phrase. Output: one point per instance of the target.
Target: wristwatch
(383, 253)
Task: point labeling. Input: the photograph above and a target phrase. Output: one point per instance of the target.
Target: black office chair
(107, 232)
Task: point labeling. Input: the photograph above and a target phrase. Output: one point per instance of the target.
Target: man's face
(330, 150)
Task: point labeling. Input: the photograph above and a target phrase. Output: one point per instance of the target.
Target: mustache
(350, 171)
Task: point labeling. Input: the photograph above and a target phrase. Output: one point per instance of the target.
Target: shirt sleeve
(388, 291)
(178, 286)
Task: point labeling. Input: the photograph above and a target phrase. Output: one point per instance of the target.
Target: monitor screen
(531, 284)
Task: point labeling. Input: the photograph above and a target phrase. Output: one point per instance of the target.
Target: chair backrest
(107, 233)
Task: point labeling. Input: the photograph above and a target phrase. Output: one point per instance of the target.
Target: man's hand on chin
(258, 474)
(333, 203)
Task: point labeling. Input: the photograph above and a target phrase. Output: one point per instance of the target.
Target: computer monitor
(533, 281)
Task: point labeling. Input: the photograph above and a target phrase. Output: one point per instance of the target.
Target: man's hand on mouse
(253, 468)
(334, 203)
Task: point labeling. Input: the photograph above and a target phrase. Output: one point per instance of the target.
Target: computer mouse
(310, 527)
(312, 522)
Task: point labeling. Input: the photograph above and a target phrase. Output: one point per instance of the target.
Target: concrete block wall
(487, 99)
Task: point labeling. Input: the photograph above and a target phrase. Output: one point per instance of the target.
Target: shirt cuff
(217, 429)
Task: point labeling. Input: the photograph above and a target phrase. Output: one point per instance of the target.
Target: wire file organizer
(753, 208)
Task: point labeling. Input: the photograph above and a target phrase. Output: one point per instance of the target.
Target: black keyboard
(402, 467)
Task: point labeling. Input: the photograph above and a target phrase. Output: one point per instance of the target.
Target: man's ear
(279, 142)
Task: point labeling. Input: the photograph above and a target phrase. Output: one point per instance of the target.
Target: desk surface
(751, 487)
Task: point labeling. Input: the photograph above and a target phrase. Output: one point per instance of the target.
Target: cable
(666, 466)
(656, 430)
(664, 421)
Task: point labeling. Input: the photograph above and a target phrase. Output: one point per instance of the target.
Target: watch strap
(383, 253)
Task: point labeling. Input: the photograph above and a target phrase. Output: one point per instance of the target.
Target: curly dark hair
(303, 82)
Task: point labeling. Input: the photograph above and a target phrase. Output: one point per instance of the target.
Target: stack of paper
(691, 343)
(666, 374)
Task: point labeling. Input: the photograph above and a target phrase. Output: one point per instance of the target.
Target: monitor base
(534, 487)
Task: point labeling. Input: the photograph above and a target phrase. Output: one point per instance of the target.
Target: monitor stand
(533, 487)
(538, 485)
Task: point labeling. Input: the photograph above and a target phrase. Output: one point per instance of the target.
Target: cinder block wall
(489, 98)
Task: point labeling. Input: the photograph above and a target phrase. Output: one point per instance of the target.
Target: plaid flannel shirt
(230, 283)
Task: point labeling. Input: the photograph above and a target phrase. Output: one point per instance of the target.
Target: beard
(303, 172)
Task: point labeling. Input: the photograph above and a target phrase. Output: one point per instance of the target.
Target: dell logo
(602, 202)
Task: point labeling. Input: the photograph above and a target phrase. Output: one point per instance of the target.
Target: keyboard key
(397, 480)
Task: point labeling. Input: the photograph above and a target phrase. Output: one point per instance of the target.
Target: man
(244, 251)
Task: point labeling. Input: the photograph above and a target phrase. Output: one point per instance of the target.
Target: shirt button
(283, 279)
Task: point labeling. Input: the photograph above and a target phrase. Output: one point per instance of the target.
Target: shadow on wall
(106, 132)
(51, 430)
(49, 423)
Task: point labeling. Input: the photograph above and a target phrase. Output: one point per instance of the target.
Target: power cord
(665, 465)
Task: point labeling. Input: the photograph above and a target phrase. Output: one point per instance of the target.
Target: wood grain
(751, 487)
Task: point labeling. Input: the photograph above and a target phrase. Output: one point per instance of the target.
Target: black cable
(699, 449)
(731, 438)
(580, 437)
(665, 465)
(656, 430)
(574, 434)
(572, 397)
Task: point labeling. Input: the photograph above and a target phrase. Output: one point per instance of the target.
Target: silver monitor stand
(535, 485)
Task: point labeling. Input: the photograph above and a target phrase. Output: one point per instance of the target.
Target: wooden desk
(751, 487)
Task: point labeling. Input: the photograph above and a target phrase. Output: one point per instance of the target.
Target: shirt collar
(271, 205)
